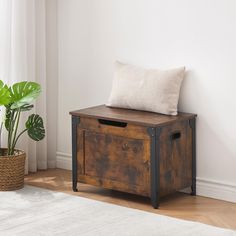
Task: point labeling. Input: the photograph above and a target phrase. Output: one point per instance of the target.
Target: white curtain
(23, 57)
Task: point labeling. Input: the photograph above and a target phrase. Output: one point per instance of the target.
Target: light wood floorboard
(179, 205)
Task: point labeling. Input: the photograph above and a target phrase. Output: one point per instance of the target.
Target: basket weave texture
(12, 170)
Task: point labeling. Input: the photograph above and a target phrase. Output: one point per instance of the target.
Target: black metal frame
(155, 165)
(74, 123)
(192, 124)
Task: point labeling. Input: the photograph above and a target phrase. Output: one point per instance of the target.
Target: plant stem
(10, 132)
(15, 129)
(14, 144)
(10, 129)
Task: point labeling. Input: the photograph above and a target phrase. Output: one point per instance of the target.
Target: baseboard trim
(216, 189)
(205, 187)
(64, 161)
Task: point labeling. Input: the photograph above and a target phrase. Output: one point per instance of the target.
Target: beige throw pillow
(146, 89)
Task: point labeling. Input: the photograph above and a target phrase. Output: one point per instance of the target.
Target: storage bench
(132, 151)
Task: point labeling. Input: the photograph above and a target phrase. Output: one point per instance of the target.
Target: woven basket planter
(12, 170)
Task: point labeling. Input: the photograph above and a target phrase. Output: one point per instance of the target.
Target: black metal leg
(155, 202)
(155, 166)
(75, 186)
(193, 189)
(193, 126)
(75, 122)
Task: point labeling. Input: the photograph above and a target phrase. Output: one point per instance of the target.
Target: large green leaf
(24, 93)
(35, 127)
(9, 111)
(4, 94)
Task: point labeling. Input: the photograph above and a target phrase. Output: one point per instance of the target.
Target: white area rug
(35, 211)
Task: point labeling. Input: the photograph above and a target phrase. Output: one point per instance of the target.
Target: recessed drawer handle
(112, 123)
(125, 147)
(175, 135)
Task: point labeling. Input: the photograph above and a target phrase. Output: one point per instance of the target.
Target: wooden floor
(179, 205)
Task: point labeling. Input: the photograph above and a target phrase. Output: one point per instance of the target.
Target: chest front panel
(111, 154)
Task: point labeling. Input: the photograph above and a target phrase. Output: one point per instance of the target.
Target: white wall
(161, 34)
(52, 79)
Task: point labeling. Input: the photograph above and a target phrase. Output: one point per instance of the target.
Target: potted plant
(16, 99)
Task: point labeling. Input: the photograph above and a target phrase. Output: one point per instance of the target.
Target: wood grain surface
(131, 116)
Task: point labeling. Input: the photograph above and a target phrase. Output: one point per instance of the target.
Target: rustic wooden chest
(134, 151)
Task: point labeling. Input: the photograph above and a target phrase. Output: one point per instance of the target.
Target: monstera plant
(16, 99)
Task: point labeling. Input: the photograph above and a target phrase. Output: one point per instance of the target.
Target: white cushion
(146, 89)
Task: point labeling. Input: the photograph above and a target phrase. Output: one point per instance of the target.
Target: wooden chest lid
(131, 116)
